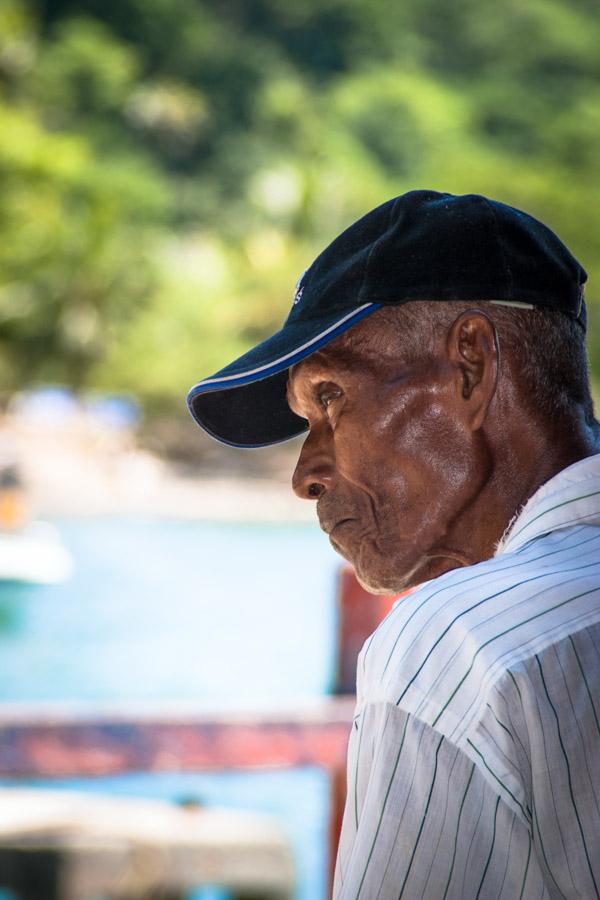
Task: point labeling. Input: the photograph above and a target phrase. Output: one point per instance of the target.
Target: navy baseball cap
(422, 245)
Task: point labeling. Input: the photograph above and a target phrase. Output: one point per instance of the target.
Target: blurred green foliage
(169, 167)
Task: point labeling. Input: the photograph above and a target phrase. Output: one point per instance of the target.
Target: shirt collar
(570, 498)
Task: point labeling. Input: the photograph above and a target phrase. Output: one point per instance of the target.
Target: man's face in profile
(389, 458)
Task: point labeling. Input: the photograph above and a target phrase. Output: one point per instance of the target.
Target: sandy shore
(81, 471)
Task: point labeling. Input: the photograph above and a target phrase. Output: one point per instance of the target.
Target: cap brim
(244, 405)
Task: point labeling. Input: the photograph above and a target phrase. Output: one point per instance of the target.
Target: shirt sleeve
(548, 707)
(421, 820)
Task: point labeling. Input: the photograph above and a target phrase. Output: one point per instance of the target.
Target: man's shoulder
(442, 648)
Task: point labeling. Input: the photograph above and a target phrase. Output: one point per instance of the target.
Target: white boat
(100, 845)
(34, 555)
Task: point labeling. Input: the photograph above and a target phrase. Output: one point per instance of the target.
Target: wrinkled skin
(418, 469)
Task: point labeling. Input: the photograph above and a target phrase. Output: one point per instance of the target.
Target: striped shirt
(474, 755)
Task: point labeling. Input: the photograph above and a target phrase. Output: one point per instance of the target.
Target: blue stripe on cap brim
(244, 405)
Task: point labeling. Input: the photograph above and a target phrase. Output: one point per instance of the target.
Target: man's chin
(383, 580)
(374, 573)
(384, 576)
(384, 585)
(381, 575)
(403, 579)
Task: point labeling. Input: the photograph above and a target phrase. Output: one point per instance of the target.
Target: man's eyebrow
(295, 402)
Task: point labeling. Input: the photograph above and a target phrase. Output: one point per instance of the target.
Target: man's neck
(520, 468)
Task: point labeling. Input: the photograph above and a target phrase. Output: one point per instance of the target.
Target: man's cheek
(439, 457)
(359, 462)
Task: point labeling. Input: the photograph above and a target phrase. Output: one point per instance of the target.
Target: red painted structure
(359, 614)
(62, 743)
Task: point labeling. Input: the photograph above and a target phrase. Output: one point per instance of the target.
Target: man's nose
(315, 469)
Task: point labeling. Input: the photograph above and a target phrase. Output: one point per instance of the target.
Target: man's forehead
(366, 346)
(318, 361)
(341, 355)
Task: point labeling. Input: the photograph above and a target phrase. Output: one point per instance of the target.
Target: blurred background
(173, 626)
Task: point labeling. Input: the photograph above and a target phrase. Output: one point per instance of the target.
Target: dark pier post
(33, 873)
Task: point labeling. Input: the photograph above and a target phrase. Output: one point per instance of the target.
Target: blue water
(167, 610)
(228, 615)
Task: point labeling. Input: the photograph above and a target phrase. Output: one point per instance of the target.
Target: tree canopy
(169, 167)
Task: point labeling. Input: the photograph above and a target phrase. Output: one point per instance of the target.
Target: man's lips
(331, 525)
(332, 515)
(339, 525)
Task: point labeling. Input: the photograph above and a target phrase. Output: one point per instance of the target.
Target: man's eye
(326, 398)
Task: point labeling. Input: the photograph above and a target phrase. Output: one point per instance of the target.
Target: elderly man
(435, 354)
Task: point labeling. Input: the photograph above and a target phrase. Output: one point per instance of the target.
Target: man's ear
(472, 347)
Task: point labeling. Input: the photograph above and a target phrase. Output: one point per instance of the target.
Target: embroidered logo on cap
(299, 289)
